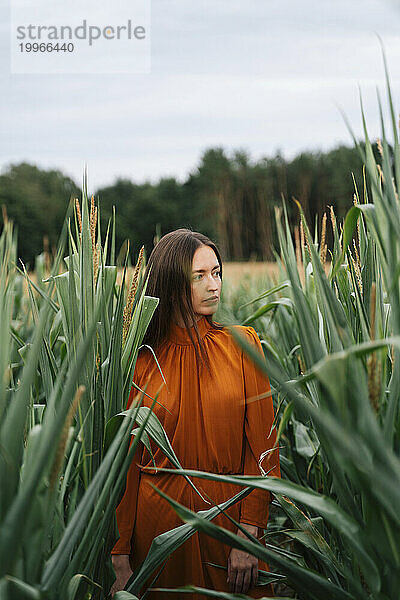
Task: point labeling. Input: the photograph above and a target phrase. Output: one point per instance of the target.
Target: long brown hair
(169, 272)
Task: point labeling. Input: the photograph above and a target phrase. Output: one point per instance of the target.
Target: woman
(216, 409)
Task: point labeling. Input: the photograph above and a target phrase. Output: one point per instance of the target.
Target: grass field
(235, 272)
(331, 340)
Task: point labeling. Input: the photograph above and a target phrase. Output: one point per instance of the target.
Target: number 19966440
(43, 47)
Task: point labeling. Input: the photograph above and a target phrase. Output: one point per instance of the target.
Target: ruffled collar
(179, 335)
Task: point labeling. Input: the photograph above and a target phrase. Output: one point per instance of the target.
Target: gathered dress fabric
(218, 418)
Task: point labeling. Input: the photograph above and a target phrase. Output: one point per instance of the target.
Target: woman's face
(206, 281)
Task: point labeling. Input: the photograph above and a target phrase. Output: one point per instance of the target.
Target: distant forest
(231, 198)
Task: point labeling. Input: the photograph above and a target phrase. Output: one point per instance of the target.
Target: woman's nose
(212, 283)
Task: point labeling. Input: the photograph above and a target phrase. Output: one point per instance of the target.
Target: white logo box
(82, 36)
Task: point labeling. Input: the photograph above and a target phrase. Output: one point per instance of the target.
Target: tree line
(230, 198)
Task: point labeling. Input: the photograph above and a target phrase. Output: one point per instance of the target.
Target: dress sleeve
(259, 436)
(126, 510)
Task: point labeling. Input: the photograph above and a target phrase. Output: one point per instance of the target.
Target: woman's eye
(197, 277)
(217, 273)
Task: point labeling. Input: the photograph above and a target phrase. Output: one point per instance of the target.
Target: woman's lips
(212, 299)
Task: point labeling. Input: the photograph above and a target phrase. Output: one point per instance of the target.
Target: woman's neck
(180, 322)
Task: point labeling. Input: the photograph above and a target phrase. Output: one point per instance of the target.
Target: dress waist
(147, 470)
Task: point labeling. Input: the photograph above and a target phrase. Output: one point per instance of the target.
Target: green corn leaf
(125, 596)
(324, 506)
(302, 579)
(193, 589)
(12, 588)
(163, 545)
(287, 302)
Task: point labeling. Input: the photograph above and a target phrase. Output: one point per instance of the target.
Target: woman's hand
(242, 566)
(122, 570)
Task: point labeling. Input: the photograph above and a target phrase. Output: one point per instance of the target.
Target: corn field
(330, 329)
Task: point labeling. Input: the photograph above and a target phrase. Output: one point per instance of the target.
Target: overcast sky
(251, 74)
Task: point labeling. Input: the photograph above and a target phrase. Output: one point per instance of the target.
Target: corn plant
(63, 457)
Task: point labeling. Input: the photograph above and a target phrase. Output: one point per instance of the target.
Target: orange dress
(211, 428)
